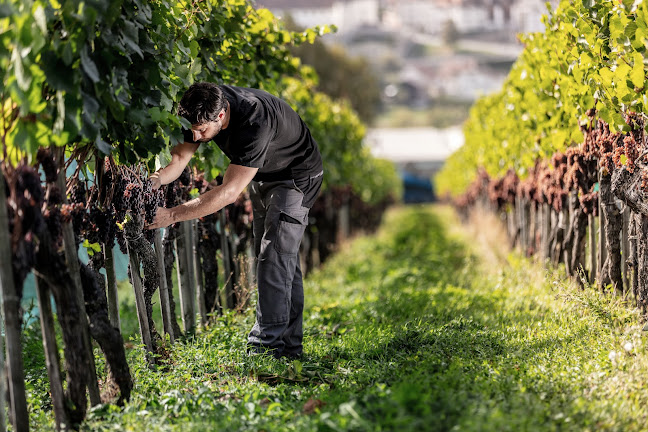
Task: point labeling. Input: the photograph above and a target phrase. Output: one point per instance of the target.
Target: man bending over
(272, 151)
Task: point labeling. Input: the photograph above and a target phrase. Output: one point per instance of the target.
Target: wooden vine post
(72, 259)
(109, 260)
(198, 271)
(10, 307)
(547, 216)
(183, 248)
(625, 249)
(227, 267)
(51, 353)
(602, 249)
(140, 305)
(591, 221)
(165, 304)
(111, 287)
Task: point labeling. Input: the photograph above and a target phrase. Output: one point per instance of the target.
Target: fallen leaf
(313, 404)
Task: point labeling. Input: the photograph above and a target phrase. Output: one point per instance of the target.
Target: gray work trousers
(279, 224)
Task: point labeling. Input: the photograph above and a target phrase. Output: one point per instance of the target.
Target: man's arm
(180, 157)
(235, 179)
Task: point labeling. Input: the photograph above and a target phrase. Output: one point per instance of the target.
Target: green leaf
(622, 72)
(23, 80)
(41, 20)
(59, 76)
(637, 75)
(130, 36)
(91, 248)
(89, 67)
(617, 29)
(90, 104)
(68, 53)
(155, 114)
(607, 75)
(103, 146)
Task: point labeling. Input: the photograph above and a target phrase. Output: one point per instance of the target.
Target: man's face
(206, 131)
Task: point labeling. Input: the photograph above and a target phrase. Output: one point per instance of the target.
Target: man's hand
(163, 218)
(155, 180)
(234, 181)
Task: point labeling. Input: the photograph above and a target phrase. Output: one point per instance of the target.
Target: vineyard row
(590, 198)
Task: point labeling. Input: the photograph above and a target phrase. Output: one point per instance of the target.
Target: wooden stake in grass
(200, 280)
(632, 255)
(72, 259)
(111, 287)
(51, 353)
(625, 249)
(602, 249)
(167, 318)
(109, 261)
(611, 272)
(227, 262)
(169, 246)
(11, 308)
(591, 219)
(183, 246)
(145, 331)
(546, 231)
(140, 251)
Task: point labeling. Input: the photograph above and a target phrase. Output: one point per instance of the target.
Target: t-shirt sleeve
(251, 145)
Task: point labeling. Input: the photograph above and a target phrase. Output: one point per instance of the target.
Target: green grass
(412, 329)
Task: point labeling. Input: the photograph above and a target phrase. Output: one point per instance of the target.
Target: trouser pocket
(290, 231)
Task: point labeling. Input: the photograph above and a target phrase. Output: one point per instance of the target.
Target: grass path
(425, 326)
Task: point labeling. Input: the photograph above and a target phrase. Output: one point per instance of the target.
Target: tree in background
(449, 33)
(340, 75)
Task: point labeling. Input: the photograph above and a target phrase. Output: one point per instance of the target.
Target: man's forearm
(170, 172)
(180, 156)
(208, 203)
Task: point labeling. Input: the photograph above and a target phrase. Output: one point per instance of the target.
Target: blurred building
(345, 14)
(418, 153)
(468, 16)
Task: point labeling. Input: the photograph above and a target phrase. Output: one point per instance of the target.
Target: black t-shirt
(265, 132)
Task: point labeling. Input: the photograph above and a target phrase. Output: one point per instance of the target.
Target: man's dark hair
(201, 103)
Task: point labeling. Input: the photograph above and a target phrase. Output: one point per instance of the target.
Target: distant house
(429, 16)
(469, 16)
(345, 14)
(526, 15)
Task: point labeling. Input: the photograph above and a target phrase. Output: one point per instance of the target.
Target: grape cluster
(546, 183)
(29, 198)
(152, 200)
(46, 160)
(97, 212)
(503, 190)
(74, 213)
(79, 193)
(25, 199)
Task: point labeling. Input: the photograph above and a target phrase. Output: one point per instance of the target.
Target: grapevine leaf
(103, 146)
(616, 27)
(23, 80)
(89, 67)
(40, 19)
(59, 76)
(637, 74)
